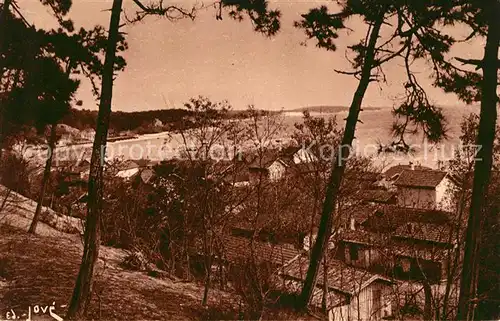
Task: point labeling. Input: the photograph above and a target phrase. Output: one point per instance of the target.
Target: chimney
(353, 225)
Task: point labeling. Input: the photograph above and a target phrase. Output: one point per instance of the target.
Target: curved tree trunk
(338, 168)
(482, 171)
(83, 287)
(45, 179)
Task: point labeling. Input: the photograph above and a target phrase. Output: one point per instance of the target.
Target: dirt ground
(41, 270)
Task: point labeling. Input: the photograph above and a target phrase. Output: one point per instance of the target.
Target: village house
(275, 164)
(352, 293)
(157, 123)
(73, 169)
(392, 173)
(87, 134)
(127, 169)
(67, 134)
(404, 243)
(237, 250)
(423, 188)
(412, 247)
(235, 172)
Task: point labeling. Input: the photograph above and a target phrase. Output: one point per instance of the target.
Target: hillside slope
(41, 270)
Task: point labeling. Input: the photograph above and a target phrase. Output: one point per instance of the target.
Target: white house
(353, 294)
(87, 134)
(273, 164)
(127, 169)
(303, 156)
(157, 123)
(423, 189)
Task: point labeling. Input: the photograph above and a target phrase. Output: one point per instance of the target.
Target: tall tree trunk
(324, 302)
(3, 20)
(3, 30)
(488, 287)
(469, 291)
(427, 300)
(83, 287)
(45, 179)
(338, 168)
(208, 277)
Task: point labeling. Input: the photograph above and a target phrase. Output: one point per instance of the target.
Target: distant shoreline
(327, 109)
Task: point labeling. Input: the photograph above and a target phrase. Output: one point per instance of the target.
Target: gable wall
(276, 171)
(363, 306)
(416, 197)
(443, 199)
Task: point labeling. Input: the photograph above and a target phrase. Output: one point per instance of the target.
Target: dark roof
(127, 164)
(82, 166)
(362, 176)
(375, 195)
(264, 159)
(287, 223)
(360, 213)
(147, 175)
(398, 169)
(340, 276)
(289, 151)
(387, 218)
(144, 162)
(238, 249)
(420, 178)
(231, 171)
(361, 237)
(269, 156)
(439, 233)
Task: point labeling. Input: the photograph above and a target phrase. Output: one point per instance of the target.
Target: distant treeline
(140, 121)
(125, 121)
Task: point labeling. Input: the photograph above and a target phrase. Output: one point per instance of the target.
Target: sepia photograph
(313, 160)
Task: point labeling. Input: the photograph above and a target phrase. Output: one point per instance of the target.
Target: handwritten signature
(36, 310)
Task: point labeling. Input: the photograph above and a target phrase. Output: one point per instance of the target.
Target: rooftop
(365, 176)
(340, 276)
(398, 169)
(438, 233)
(362, 237)
(387, 218)
(375, 195)
(238, 249)
(420, 178)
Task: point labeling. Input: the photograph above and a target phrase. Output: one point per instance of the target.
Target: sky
(169, 63)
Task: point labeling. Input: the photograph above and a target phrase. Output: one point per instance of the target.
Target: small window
(353, 252)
